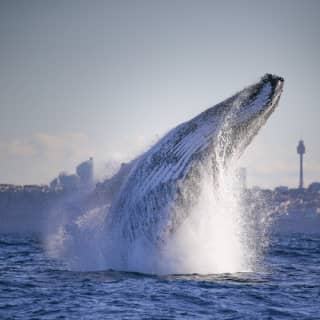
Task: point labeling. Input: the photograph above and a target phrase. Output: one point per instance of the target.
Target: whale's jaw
(145, 208)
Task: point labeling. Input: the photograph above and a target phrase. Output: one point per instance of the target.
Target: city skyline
(107, 79)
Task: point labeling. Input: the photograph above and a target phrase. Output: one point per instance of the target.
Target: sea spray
(220, 234)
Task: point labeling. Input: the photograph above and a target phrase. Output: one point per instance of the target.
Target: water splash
(219, 234)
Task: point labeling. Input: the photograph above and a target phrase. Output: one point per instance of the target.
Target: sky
(108, 78)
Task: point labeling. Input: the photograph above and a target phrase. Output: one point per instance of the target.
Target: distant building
(301, 150)
(281, 189)
(85, 172)
(69, 182)
(314, 187)
(55, 184)
(242, 178)
(82, 180)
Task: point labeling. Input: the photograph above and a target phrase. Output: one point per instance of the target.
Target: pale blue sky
(106, 78)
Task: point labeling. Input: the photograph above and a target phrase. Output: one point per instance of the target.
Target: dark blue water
(32, 286)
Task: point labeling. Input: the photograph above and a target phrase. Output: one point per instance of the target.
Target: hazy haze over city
(107, 78)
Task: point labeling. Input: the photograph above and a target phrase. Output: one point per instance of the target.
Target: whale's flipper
(145, 205)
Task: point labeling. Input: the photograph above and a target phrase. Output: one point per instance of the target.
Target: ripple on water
(34, 286)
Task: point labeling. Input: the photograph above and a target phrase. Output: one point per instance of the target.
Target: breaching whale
(148, 205)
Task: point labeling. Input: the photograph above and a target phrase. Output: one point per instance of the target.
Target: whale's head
(256, 102)
(240, 117)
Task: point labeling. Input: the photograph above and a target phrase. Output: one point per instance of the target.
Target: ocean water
(34, 286)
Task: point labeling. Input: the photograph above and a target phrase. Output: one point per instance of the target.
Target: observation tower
(301, 150)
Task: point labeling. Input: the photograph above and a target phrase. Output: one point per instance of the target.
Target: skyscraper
(242, 178)
(85, 172)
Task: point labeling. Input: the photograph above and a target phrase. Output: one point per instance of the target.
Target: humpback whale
(172, 209)
(163, 183)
